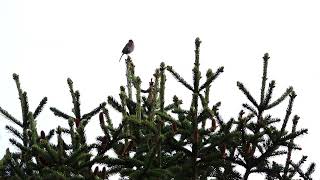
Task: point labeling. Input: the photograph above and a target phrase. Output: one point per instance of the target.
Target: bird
(128, 48)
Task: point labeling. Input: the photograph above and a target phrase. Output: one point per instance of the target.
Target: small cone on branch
(96, 171)
(248, 149)
(133, 145)
(223, 148)
(152, 93)
(213, 125)
(103, 146)
(42, 135)
(77, 122)
(103, 173)
(196, 136)
(174, 127)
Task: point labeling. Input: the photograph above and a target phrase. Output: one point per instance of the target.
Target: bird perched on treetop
(128, 48)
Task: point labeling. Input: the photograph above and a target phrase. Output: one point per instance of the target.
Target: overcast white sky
(47, 41)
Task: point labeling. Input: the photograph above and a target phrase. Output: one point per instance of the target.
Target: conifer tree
(160, 139)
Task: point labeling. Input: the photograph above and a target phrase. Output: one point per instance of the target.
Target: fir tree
(157, 139)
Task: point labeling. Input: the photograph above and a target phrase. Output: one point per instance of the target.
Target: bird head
(130, 41)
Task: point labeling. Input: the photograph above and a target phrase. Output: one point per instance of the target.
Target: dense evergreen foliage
(157, 139)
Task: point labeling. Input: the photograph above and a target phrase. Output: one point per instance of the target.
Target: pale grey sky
(47, 41)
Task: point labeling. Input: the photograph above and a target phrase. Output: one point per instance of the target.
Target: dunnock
(128, 48)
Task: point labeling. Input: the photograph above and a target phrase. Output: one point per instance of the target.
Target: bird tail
(121, 57)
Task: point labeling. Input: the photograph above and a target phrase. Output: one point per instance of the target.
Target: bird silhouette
(128, 48)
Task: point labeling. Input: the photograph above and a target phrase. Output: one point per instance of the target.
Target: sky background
(46, 42)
